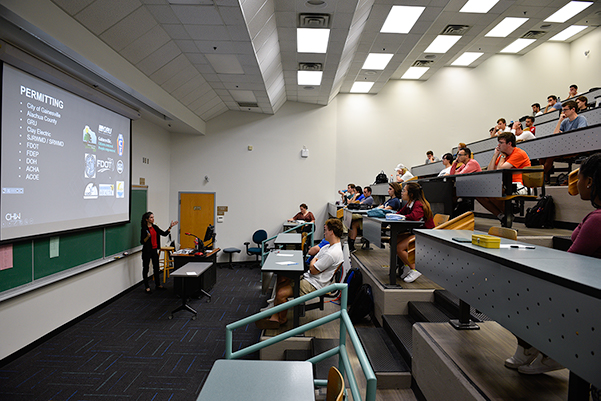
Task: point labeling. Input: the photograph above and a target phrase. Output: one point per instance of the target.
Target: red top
(416, 213)
(309, 217)
(154, 238)
(518, 159)
(472, 166)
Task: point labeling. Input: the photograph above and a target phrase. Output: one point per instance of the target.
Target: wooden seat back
(335, 388)
(503, 232)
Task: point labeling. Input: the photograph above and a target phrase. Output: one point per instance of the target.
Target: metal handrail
(310, 234)
(346, 326)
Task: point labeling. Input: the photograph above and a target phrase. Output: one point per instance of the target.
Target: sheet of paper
(285, 254)
(6, 257)
(286, 263)
(191, 273)
(54, 247)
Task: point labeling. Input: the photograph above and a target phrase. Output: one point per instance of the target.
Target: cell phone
(461, 239)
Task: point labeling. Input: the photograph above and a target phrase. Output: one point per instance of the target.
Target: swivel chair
(258, 237)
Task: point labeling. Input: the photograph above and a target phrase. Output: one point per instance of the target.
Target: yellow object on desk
(486, 241)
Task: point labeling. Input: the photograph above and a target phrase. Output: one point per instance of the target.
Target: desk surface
(259, 381)
(288, 238)
(577, 272)
(193, 269)
(274, 258)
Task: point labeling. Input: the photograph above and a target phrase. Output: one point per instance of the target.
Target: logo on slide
(120, 166)
(91, 192)
(89, 138)
(105, 165)
(106, 190)
(120, 145)
(120, 189)
(90, 166)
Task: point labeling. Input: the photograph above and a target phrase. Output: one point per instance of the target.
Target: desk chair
(503, 232)
(230, 252)
(166, 262)
(258, 237)
(335, 388)
(337, 278)
(532, 181)
(465, 221)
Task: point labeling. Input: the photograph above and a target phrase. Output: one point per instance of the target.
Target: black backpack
(542, 215)
(363, 304)
(354, 280)
(381, 178)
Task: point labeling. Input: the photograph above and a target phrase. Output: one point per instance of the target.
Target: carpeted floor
(130, 350)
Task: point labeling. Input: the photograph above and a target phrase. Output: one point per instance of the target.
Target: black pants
(154, 255)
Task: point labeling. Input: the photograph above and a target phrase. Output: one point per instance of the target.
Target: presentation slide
(65, 160)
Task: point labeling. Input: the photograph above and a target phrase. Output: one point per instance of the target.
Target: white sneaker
(405, 271)
(521, 357)
(412, 276)
(541, 364)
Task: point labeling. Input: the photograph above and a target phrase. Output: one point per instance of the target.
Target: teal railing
(309, 238)
(346, 326)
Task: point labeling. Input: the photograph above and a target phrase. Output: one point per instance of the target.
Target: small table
(284, 239)
(293, 271)
(189, 272)
(233, 379)
(372, 230)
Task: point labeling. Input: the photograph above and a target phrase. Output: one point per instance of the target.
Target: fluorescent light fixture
(309, 77)
(376, 61)
(478, 6)
(569, 32)
(415, 72)
(505, 27)
(442, 43)
(312, 40)
(568, 11)
(361, 87)
(466, 59)
(518, 45)
(401, 19)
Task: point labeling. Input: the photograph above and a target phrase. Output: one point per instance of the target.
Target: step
(399, 329)
(389, 367)
(319, 345)
(427, 312)
(450, 303)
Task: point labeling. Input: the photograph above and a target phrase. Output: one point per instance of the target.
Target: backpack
(354, 280)
(381, 178)
(542, 214)
(363, 305)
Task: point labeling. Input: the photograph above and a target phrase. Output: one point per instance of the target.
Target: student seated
(417, 208)
(447, 161)
(348, 194)
(402, 173)
(357, 223)
(552, 104)
(506, 156)
(394, 191)
(569, 119)
(520, 134)
(320, 274)
(530, 125)
(464, 163)
(582, 103)
(586, 240)
(499, 128)
(430, 157)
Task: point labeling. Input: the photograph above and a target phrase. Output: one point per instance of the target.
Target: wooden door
(196, 212)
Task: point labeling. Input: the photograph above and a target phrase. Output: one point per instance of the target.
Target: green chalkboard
(122, 238)
(22, 271)
(32, 261)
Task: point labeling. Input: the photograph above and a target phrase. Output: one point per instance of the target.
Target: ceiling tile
(145, 45)
(197, 15)
(72, 7)
(164, 14)
(129, 29)
(159, 58)
(101, 15)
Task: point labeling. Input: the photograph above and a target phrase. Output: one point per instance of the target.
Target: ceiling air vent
(310, 67)
(314, 20)
(422, 63)
(247, 104)
(533, 34)
(455, 30)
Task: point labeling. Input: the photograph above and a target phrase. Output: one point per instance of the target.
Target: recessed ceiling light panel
(505, 27)
(442, 43)
(376, 61)
(478, 6)
(466, 59)
(401, 19)
(568, 11)
(309, 77)
(310, 40)
(361, 87)
(518, 45)
(415, 72)
(569, 32)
